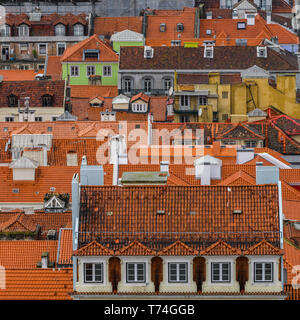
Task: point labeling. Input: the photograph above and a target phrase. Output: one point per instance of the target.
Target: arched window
(12, 100)
(78, 29)
(60, 30)
(47, 100)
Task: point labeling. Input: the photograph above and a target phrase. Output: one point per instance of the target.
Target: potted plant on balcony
(34, 53)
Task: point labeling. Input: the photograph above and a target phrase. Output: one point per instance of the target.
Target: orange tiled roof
(19, 222)
(38, 284)
(263, 248)
(18, 75)
(108, 25)
(141, 96)
(93, 249)
(74, 53)
(25, 254)
(178, 248)
(87, 91)
(54, 67)
(238, 178)
(135, 248)
(65, 247)
(291, 209)
(220, 248)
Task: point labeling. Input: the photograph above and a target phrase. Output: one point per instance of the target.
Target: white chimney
(244, 155)
(269, 19)
(45, 155)
(116, 171)
(209, 15)
(84, 161)
(164, 166)
(45, 260)
(235, 15)
(72, 158)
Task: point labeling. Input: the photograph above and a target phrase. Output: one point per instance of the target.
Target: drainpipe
(116, 169)
(149, 129)
(281, 228)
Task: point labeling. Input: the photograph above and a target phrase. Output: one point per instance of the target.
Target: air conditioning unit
(148, 52)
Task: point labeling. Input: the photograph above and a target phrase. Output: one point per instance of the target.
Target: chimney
(209, 15)
(75, 209)
(45, 259)
(45, 155)
(269, 20)
(205, 174)
(164, 166)
(216, 148)
(267, 174)
(116, 171)
(84, 161)
(235, 14)
(91, 175)
(244, 155)
(72, 158)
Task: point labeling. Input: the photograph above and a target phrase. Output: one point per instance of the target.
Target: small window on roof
(241, 25)
(208, 31)
(162, 27)
(180, 27)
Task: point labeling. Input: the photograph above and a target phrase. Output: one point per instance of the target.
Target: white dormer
(54, 203)
(24, 169)
(208, 51)
(207, 168)
(148, 52)
(261, 52)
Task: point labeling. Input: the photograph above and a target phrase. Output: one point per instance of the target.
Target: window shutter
(114, 272)
(156, 272)
(279, 270)
(242, 269)
(199, 271)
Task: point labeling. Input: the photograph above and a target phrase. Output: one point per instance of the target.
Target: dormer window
(5, 31)
(78, 29)
(91, 54)
(180, 27)
(162, 27)
(47, 100)
(208, 32)
(12, 100)
(262, 52)
(148, 52)
(208, 52)
(23, 30)
(60, 30)
(241, 25)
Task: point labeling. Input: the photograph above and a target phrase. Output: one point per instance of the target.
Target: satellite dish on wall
(171, 91)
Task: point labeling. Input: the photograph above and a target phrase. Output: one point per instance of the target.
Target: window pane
(268, 272)
(88, 272)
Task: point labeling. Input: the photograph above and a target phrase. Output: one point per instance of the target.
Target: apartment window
(224, 94)
(224, 116)
(54, 118)
(262, 4)
(38, 119)
(175, 42)
(220, 272)
(23, 30)
(127, 85)
(60, 30)
(5, 67)
(93, 272)
(180, 27)
(41, 66)
(47, 100)
(9, 119)
(42, 49)
(74, 70)
(23, 67)
(61, 47)
(229, 142)
(107, 71)
(167, 85)
(241, 25)
(184, 119)
(203, 100)
(136, 272)
(78, 29)
(90, 70)
(228, 4)
(147, 85)
(5, 31)
(12, 100)
(184, 101)
(178, 272)
(251, 144)
(23, 47)
(263, 272)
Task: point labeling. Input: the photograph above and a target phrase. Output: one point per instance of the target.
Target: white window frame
(5, 31)
(139, 107)
(241, 25)
(105, 73)
(177, 272)
(168, 83)
(186, 102)
(93, 272)
(128, 80)
(39, 49)
(146, 83)
(263, 272)
(76, 28)
(78, 73)
(87, 70)
(60, 26)
(135, 272)
(221, 280)
(23, 44)
(23, 30)
(60, 44)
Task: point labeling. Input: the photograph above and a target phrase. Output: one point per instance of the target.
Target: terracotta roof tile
(54, 67)
(87, 91)
(93, 249)
(177, 248)
(135, 248)
(238, 178)
(65, 247)
(263, 248)
(38, 284)
(220, 248)
(291, 210)
(25, 254)
(19, 75)
(19, 222)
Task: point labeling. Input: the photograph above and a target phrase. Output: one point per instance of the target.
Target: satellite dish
(171, 91)
(199, 112)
